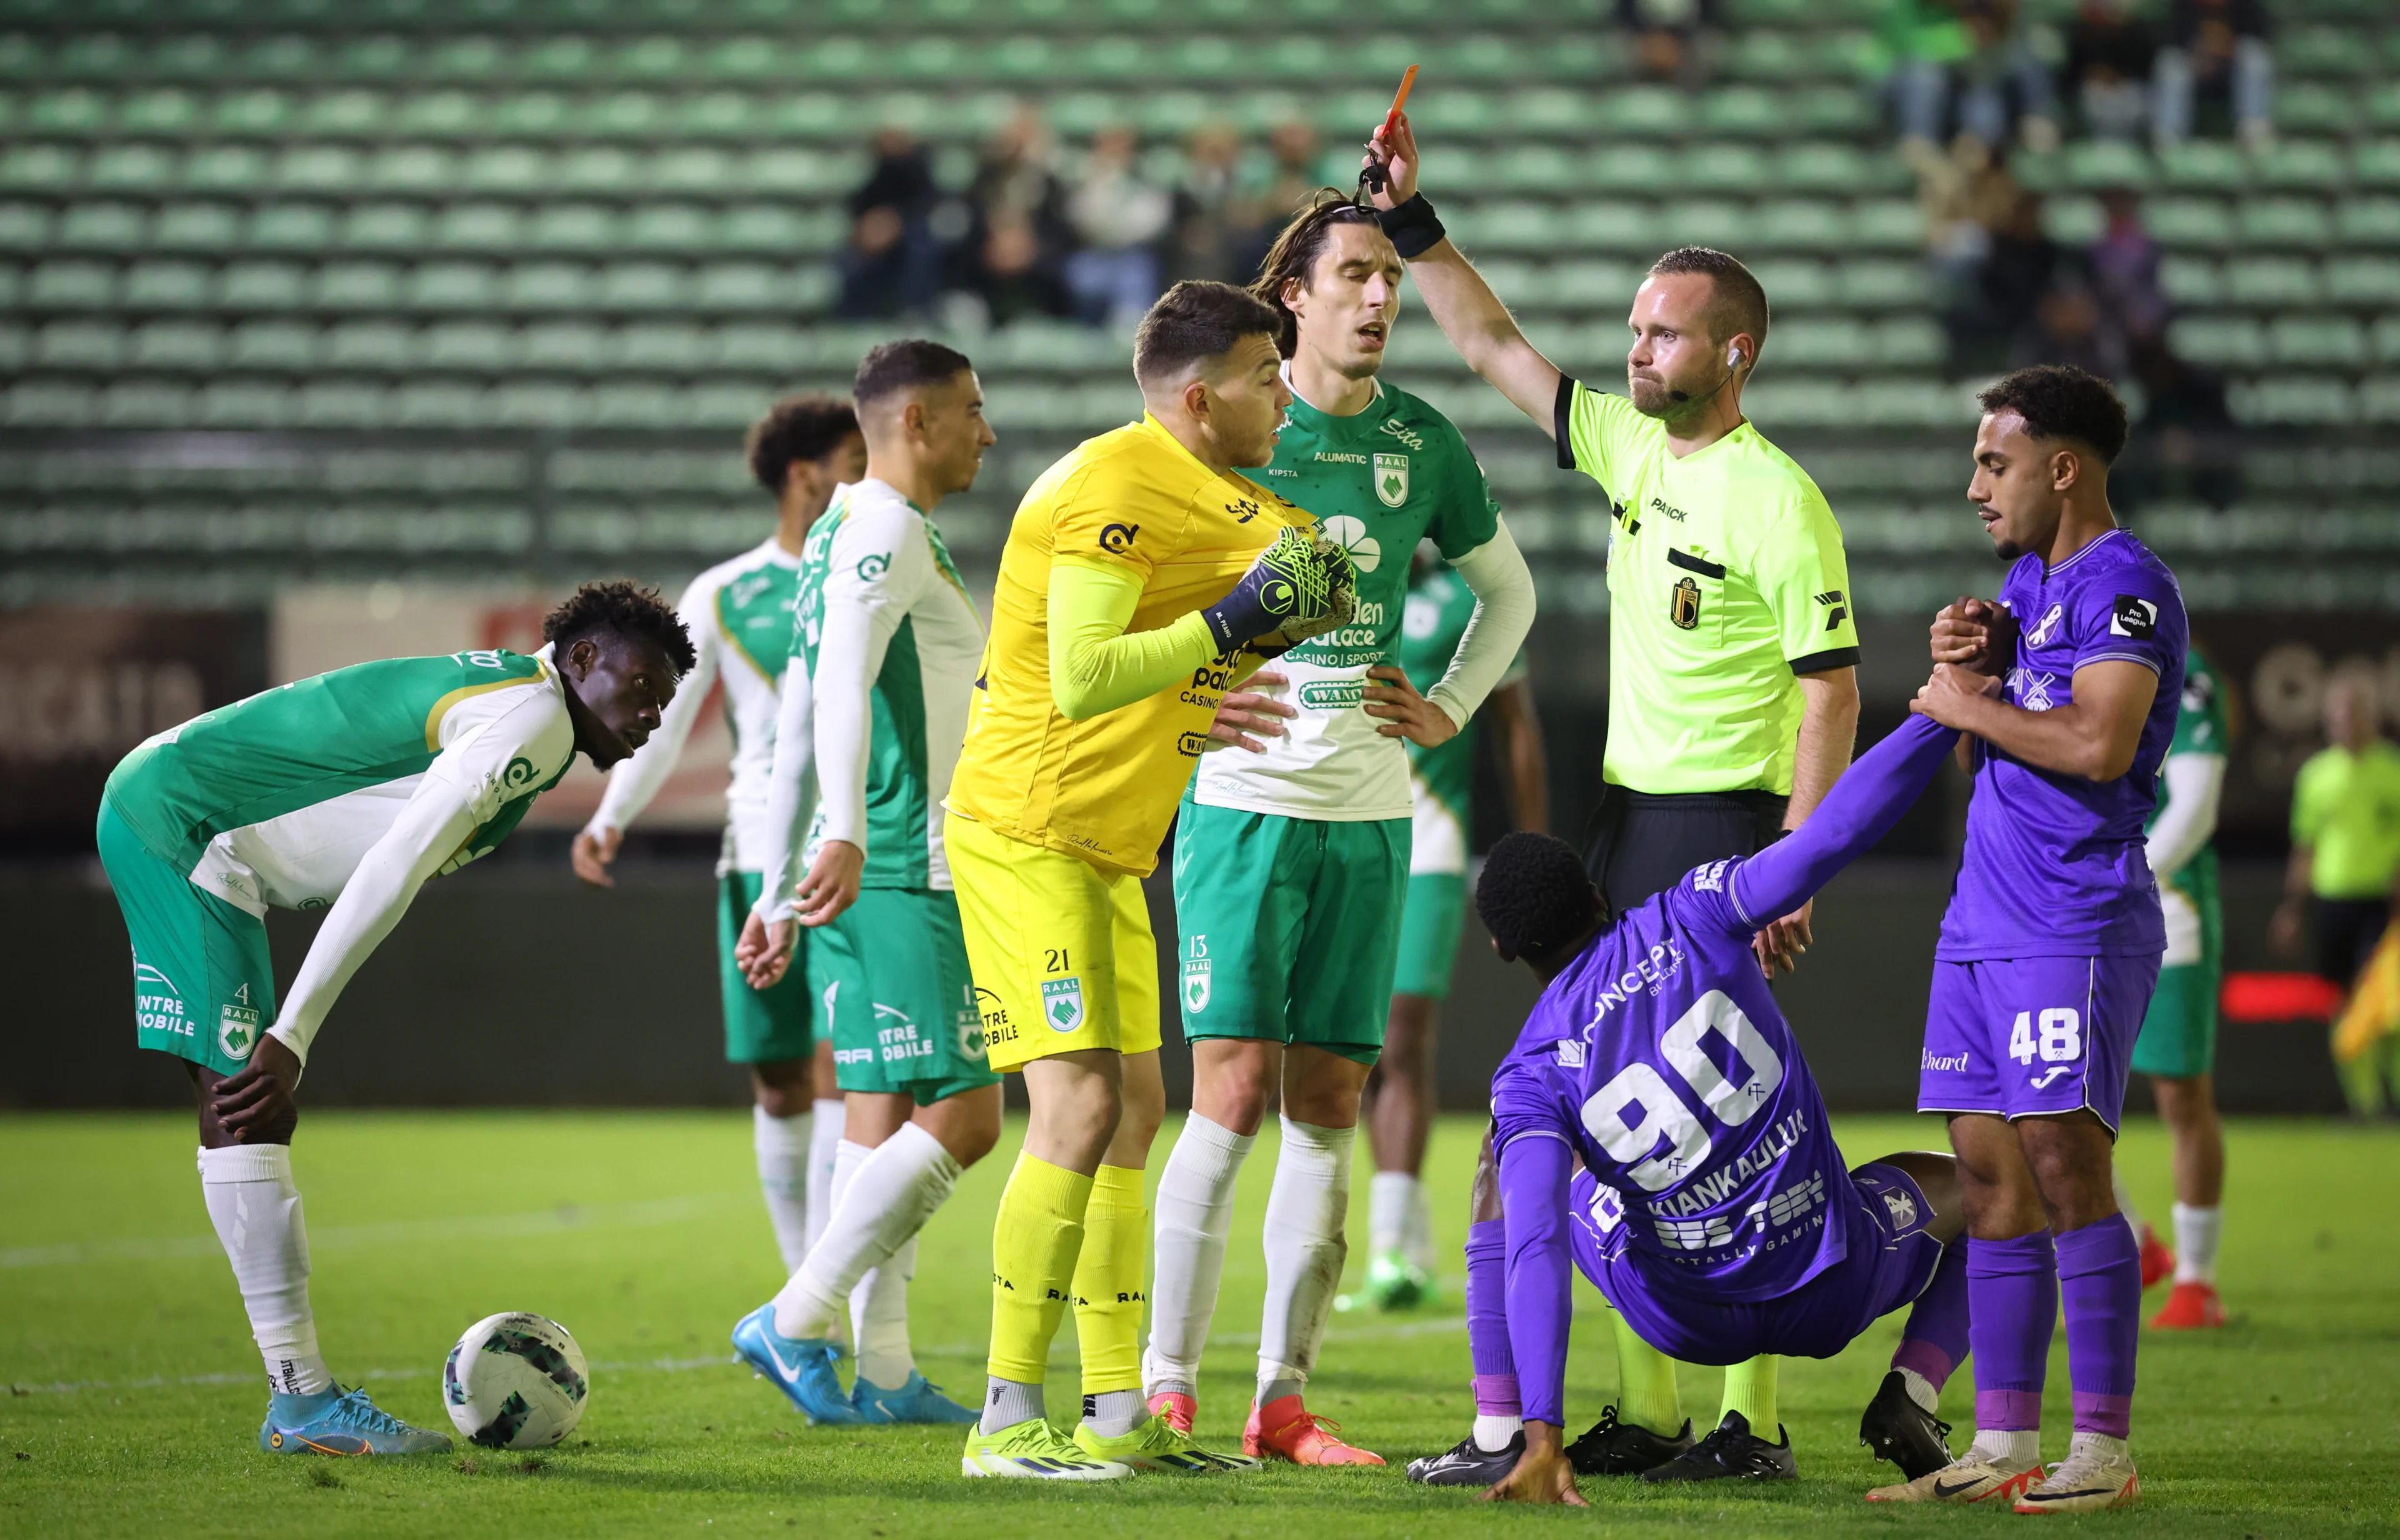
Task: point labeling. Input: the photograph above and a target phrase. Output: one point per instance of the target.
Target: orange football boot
(2192, 1307)
(2158, 1257)
(1284, 1428)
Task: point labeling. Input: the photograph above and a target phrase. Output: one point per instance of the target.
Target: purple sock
(2100, 1275)
(1487, 1319)
(1935, 1337)
(2012, 1310)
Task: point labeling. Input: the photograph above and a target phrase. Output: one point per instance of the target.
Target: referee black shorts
(1642, 844)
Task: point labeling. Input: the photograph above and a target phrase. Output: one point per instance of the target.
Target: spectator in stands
(2183, 448)
(1965, 66)
(1293, 171)
(1214, 227)
(2345, 849)
(2216, 53)
(2110, 52)
(2023, 297)
(2125, 264)
(1119, 219)
(1017, 238)
(893, 265)
(1670, 38)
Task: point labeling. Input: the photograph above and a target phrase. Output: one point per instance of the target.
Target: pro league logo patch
(2130, 616)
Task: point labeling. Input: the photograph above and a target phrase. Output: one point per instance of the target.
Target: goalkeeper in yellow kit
(1143, 576)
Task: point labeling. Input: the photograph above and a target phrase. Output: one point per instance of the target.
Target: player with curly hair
(343, 793)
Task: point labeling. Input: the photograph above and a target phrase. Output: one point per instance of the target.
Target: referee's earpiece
(1733, 357)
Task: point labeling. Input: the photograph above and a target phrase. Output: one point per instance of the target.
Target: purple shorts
(1890, 1260)
(2034, 1036)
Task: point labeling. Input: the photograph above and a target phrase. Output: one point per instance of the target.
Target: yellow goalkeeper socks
(1750, 1389)
(1108, 1281)
(1035, 1238)
(1645, 1383)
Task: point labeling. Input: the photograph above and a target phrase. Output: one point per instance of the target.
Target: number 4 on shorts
(2062, 1037)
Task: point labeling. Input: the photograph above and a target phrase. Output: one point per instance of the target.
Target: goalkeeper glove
(1302, 586)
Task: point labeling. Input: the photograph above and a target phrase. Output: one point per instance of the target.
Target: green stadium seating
(2191, 281)
(375, 347)
(358, 286)
(2285, 222)
(2368, 221)
(2220, 342)
(2325, 342)
(278, 347)
(2370, 280)
(2178, 221)
(299, 227)
(2272, 281)
(2303, 163)
(168, 285)
(468, 347)
(87, 345)
(572, 347)
(135, 168)
(194, 346)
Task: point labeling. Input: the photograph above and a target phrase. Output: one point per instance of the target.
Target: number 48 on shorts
(2061, 1036)
(2031, 1037)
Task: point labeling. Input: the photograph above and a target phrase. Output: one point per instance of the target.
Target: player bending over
(740, 614)
(887, 642)
(2051, 945)
(343, 793)
(1138, 574)
(1713, 1208)
(1292, 862)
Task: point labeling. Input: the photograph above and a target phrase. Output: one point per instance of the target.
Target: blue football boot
(919, 1400)
(340, 1422)
(802, 1370)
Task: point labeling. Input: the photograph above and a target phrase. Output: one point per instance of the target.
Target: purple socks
(1935, 1337)
(1487, 1319)
(2100, 1275)
(2013, 1304)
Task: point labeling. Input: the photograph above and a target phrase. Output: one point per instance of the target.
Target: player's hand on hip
(256, 1102)
(1395, 150)
(832, 883)
(764, 950)
(1250, 711)
(1779, 945)
(1404, 713)
(592, 853)
(1951, 694)
(1542, 1473)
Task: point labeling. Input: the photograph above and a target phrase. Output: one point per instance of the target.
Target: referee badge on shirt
(1683, 604)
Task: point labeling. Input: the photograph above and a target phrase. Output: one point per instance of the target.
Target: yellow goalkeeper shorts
(1062, 951)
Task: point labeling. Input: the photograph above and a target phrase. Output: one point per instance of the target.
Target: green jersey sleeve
(1804, 576)
(1598, 434)
(2202, 724)
(1468, 514)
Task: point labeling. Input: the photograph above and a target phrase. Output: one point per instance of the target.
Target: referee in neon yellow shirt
(1733, 652)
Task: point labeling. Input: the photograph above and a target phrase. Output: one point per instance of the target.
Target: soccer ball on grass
(515, 1381)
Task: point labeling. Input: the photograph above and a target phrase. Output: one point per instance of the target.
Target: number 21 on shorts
(2061, 1036)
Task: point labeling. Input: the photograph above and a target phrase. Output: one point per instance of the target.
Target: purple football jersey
(1660, 1058)
(2055, 864)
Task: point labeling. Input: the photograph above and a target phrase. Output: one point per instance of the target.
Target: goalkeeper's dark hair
(1737, 300)
(1199, 319)
(893, 367)
(2060, 401)
(1295, 253)
(1535, 896)
(798, 428)
(632, 613)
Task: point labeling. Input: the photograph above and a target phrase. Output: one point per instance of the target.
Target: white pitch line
(352, 1237)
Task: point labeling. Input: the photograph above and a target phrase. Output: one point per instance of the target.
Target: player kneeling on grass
(346, 790)
(1712, 1209)
(888, 643)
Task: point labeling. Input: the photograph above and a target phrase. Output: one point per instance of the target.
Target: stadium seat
(478, 227)
(175, 345)
(549, 286)
(197, 227)
(375, 347)
(90, 346)
(2285, 222)
(2333, 342)
(411, 168)
(1726, 168)
(2219, 341)
(774, 348)
(103, 227)
(48, 401)
(304, 228)
(275, 347)
(439, 404)
(518, 169)
(165, 285)
(2190, 281)
(262, 285)
(534, 403)
(2303, 163)
(668, 347)
(72, 285)
(2363, 281)
(2271, 281)
(1831, 343)
(319, 169)
(465, 347)
(242, 404)
(743, 286)
(694, 170)
(2107, 163)
(136, 167)
(2205, 165)
(2188, 221)
(2368, 221)
(1909, 342)
(344, 115)
(2299, 401)
(1793, 283)
(640, 286)
(2314, 107)
(438, 114)
(167, 111)
(1789, 224)
(358, 286)
(2376, 162)
(1881, 282)
(338, 403)
(39, 166)
(572, 347)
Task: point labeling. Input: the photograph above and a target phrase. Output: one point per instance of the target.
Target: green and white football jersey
(893, 645)
(1379, 481)
(1441, 778)
(273, 801)
(740, 616)
(2189, 896)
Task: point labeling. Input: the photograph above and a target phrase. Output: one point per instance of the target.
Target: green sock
(1750, 1389)
(1645, 1383)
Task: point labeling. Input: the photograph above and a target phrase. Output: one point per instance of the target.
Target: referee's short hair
(1198, 318)
(1535, 895)
(1738, 302)
(2058, 401)
(798, 428)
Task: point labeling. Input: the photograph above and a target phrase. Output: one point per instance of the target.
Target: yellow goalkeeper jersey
(1105, 789)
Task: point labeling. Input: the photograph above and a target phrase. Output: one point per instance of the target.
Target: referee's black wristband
(1414, 228)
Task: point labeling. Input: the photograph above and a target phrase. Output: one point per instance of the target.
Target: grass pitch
(137, 1394)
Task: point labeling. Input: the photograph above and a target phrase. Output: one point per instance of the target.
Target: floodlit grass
(137, 1394)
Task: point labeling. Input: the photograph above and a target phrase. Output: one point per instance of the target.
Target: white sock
(782, 1149)
(1920, 1390)
(825, 1139)
(1419, 1242)
(1306, 1246)
(879, 1319)
(1389, 1196)
(2197, 1233)
(2125, 1203)
(886, 1197)
(1493, 1433)
(2013, 1449)
(255, 1207)
(2100, 1446)
(1195, 1216)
